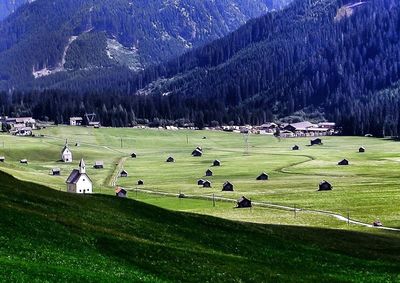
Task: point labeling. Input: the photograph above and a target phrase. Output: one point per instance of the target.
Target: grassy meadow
(52, 236)
(367, 189)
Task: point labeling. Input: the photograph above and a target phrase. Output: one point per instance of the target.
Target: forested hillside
(68, 36)
(8, 7)
(332, 58)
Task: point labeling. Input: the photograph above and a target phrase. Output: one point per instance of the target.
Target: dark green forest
(335, 57)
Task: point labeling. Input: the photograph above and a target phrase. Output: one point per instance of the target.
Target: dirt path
(272, 206)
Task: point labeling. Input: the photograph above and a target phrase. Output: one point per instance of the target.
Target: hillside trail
(273, 206)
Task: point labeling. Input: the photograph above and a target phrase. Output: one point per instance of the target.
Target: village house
(75, 121)
(78, 181)
(66, 154)
(227, 187)
(243, 202)
(267, 128)
(120, 192)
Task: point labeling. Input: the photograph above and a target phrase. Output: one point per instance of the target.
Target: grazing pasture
(367, 189)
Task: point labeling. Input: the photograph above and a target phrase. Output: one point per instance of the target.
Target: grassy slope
(55, 236)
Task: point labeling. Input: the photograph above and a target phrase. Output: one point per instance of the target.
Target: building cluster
(88, 121)
(22, 126)
(285, 130)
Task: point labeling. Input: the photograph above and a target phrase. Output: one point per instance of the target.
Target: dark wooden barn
(209, 173)
(123, 174)
(140, 182)
(361, 149)
(170, 159)
(120, 192)
(200, 182)
(316, 141)
(343, 162)
(2, 159)
(56, 171)
(133, 155)
(296, 147)
(227, 187)
(23, 161)
(197, 153)
(98, 164)
(216, 162)
(243, 202)
(263, 177)
(325, 186)
(207, 184)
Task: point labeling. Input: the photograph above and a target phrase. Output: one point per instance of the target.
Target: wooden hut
(133, 155)
(361, 149)
(209, 173)
(197, 153)
(98, 164)
(295, 147)
(120, 192)
(23, 161)
(170, 159)
(140, 182)
(207, 184)
(56, 171)
(227, 187)
(316, 141)
(325, 186)
(216, 162)
(200, 182)
(343, 162)
(2, 159)
(123, 174)
(243, 202)
(263, 177)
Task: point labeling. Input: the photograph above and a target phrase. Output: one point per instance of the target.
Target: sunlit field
(366, 190)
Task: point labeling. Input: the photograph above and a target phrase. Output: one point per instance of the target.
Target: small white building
(78, 181)
(66, 154)
(75, 121)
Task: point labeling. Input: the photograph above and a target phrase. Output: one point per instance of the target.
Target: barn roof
(74, 177)
(99, 163)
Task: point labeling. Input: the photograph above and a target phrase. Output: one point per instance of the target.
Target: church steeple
(82, 167)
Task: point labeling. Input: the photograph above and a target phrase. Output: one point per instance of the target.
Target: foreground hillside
(52, 236)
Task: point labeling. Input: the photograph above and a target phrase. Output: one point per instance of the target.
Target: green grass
(50, 236)
(367, 189)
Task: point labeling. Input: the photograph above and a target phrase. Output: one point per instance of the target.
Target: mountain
(51, 236)
(8, 7)
(319, 59)
(48, 37)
